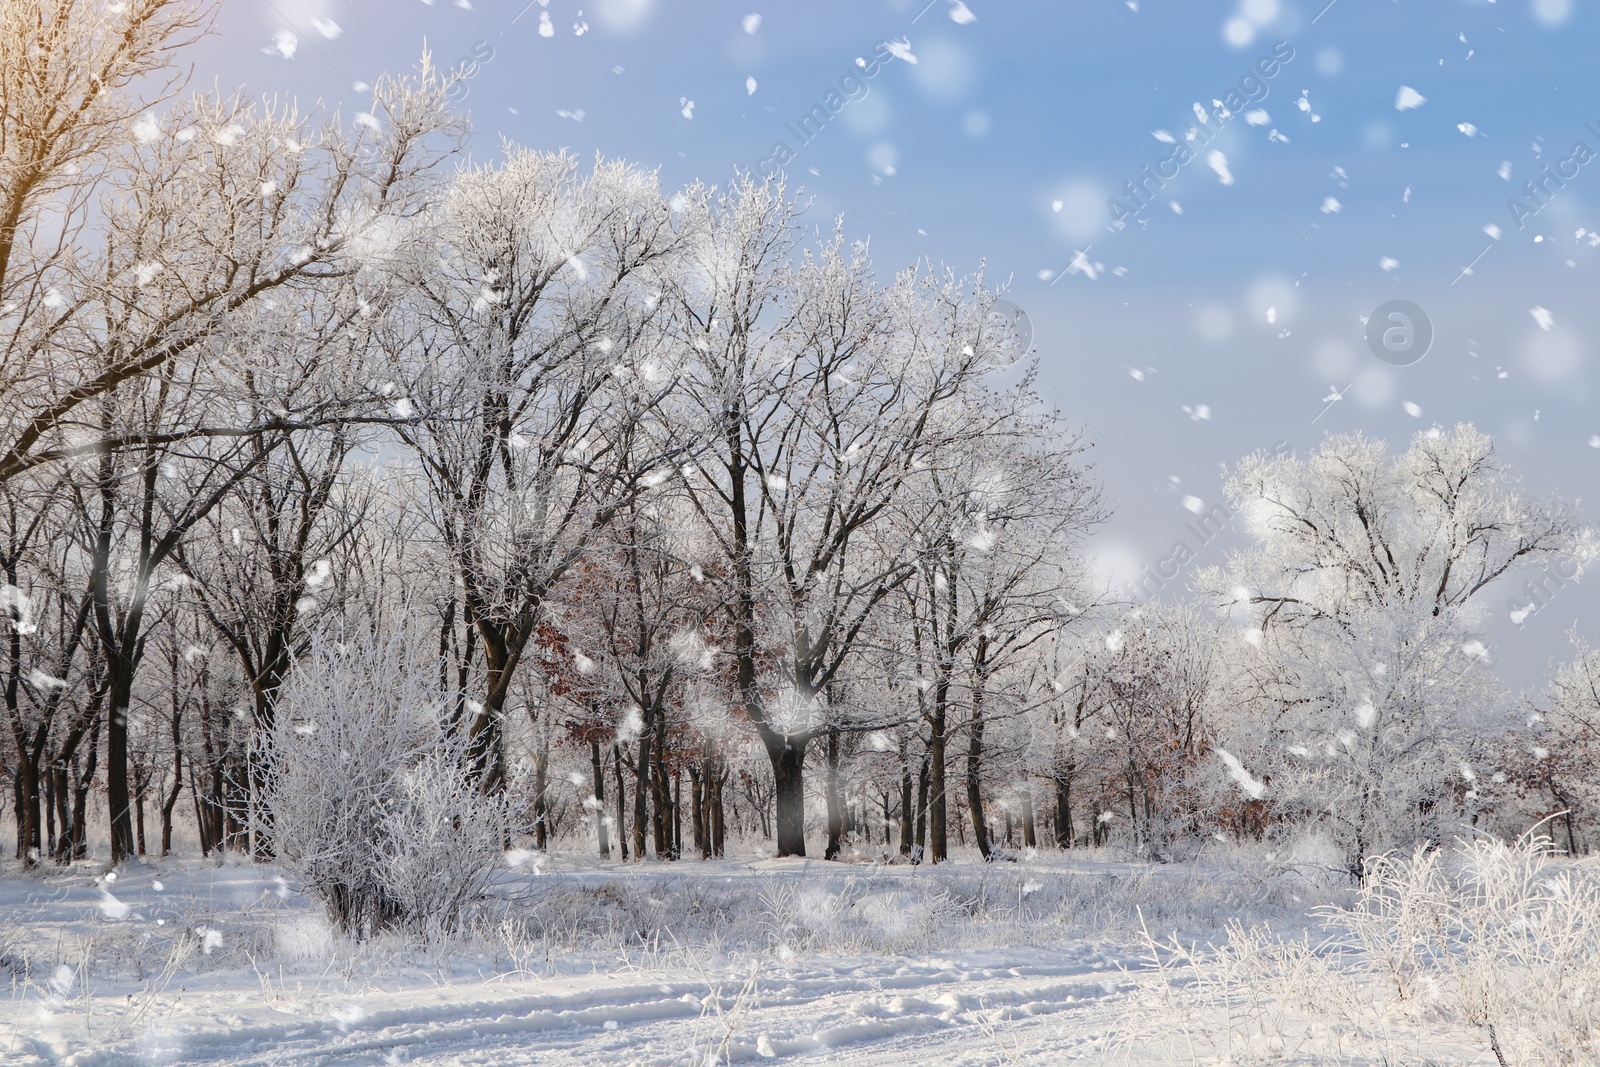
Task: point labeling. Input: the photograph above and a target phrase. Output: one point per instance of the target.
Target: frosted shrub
(441, 844)
(368, 796)
(1493, 948)
(1507, 938)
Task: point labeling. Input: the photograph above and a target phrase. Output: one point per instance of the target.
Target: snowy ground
(579, 962)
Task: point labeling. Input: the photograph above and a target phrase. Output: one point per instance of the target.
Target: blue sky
(1001, 145)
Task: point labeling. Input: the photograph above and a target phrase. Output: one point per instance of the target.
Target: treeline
(672, 498)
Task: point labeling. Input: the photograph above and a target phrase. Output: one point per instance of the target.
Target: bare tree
(271, 558)
(47, 677)
(526, 354)
(994, 575)
(824, 394)
(68, 69)
(210, 233)
(210, 212)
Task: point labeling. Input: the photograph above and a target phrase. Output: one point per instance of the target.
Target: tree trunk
(80, 794)
(541, 829)
(719, 781)
(78, 839)
(663, 792)
(502, 649)
(118, 799)
(788, 755)
(677, 813)
(835, 801)
(1030, 838)
(30, 842)
(599, 807)
(622, 802)
(217, 804)
(697, 808)
(980, 824)
(938, 830)
(256, 771)
(140, 787)
(199, 813)
(61, 813)
(1064, 833)
(171, 802)
(975, 783)
(919, 850)
(234, 788)
(907, 817)
(641, 796)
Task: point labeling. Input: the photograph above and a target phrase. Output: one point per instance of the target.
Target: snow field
(1231, 958)
(191, 962)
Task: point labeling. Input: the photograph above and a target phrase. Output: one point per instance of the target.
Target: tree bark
(61, 813)
(30, 843)
(719, 781)
(541, 828)
(664, 805)
(919, 850)
(118, 699)
(677, 812)
(79, 843)
(171, 802)
(641, 796)
(141, 785)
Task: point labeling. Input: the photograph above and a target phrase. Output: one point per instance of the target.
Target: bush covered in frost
(1492, 948)
(369, 796)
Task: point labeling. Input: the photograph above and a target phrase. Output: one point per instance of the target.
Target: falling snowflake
(1247, 783)
(284, 43)
(1219, 163)
(1408, 99)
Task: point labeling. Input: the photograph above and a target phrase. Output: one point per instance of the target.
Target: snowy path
(961, 1010)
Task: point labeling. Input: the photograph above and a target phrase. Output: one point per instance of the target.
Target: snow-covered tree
(527, 351)
(145, 357)
(823, 395)
(1134, 727)
(993, 527)
(1367, 683)
(1567, 746)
